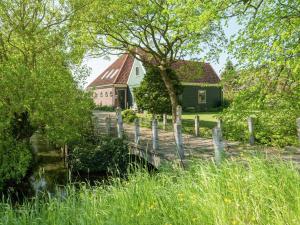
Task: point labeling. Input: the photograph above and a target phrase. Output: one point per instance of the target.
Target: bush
(15, 159)
(105, 108)
(129, 115)
(190, 109)
(98, 154)
(205, 132)
(273, 127)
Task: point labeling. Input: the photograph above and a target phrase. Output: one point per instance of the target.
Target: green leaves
(152, 94)
(168, 30)
(15, 158)
(267, 49)
(36, 79)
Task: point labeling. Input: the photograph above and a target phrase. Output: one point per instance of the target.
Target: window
(137, 71)
(106, 95)
(110, 94)
(201, 96)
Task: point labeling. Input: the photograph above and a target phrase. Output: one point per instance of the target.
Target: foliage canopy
(268, 51)
(38, 90)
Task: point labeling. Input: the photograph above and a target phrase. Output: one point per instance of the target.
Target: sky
(98, 65)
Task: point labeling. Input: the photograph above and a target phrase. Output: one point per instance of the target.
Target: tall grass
(254, 192)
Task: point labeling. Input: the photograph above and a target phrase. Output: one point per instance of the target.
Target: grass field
(253, 192)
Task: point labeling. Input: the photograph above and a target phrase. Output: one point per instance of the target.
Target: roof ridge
(121, 68)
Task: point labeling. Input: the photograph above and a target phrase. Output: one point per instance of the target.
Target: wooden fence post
(178, 113)
(218, 145)
(298, 127)
(108, 125)
(178, 132)
(197, 133)
(154, 135)
(119, 122)
(136, 130)
(219, 123)
(164, 121)
(251, 130)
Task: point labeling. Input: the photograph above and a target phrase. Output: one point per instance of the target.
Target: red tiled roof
(122, 78)
(116, 73)
(186, 70)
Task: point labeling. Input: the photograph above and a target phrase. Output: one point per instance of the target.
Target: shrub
(129, 115)
(190, 109)
(98, 154)
(105, 108)
(271, 95)
(274, 127)
(15, 159)
(205, 132)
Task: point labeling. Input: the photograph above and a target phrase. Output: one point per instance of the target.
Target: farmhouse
(114, 87)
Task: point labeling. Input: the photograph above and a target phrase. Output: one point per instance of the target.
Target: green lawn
(205, 116)
(254, 191)
(207, 122)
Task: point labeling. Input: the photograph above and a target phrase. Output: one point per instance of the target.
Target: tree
(38, 91)
(152, 94)
(156, 31)
(268, 51)
(230, 81)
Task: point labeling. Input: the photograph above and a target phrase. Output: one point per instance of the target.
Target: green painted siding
(189, 98)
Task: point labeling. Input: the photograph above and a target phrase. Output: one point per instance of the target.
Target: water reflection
(49, 172)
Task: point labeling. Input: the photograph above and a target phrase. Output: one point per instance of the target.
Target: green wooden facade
(190, 98)
(196, 96)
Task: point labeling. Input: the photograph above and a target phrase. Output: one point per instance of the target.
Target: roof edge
(117, 76)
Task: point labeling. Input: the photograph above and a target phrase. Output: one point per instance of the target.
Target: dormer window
(137, 71)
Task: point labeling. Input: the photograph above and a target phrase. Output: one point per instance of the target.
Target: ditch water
(49, 174)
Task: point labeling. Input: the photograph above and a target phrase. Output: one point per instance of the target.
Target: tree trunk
(171, 91)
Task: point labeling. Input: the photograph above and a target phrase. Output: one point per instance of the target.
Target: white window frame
(202, 92)
(137, 71)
